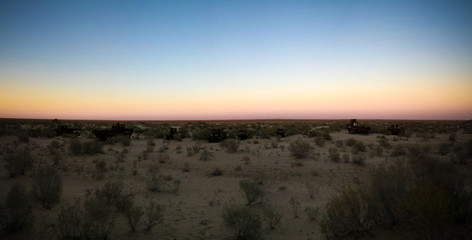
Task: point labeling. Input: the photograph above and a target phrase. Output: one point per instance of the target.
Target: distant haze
(171, 60)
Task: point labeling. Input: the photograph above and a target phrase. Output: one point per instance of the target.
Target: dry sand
(195, 211)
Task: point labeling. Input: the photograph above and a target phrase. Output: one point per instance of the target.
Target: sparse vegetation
(252, 190)
(47, 187)
(154, 215)
(243, 222)
(334, 154)
(133, 215)
(299, 148)
(271, 216)
(19, 162)
(17, 211)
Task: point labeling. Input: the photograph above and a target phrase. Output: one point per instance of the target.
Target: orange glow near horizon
(329, 102)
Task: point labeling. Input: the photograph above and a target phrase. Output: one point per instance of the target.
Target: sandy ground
(194, 212)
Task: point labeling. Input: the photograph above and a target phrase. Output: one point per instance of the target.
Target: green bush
(47, 187)
(252, 190)
(243, 222)
(299, 148)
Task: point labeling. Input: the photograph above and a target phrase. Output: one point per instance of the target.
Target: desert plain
(199, 188)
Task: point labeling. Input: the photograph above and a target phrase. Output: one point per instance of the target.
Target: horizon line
(236, 120)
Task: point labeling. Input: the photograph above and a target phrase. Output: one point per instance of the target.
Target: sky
(199, 60)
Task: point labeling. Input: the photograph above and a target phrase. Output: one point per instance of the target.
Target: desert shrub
(387, 187)
(17, 211)
(23, 136)
(150, 144)
(311, 190)
(163, 157)
(133, 215)
(295, 204)
(121, 156)
(153, 169)
(299, 148)
(92, 147)
(271, 216)
(358, 159)
(205, 155)
(201, 134)
(346, 215)
(178, 149)
(339, 143)
(88, 147)
(123, 140)
(113, 193)
(56, 159)
(383, 142)
(334, 154)
(154, 215)
(346, 157)
(452, 137)
(378, 151)
(398, 151)
(70, 222)
(75, 146)
(444, 149)
(101, 168)
(163, 184)
(350, 142)
(428, 210)
(312, 212)
(320, 141)
(231, 145)
(246, 160)
(252, 190)
(47, 187)
(326, 136)
(54, 147)
(216, 172)
(186, 168)
(19, 162)
(99, 219)
(154, 184)
(358, 147)
(189, 151)
(244, 223)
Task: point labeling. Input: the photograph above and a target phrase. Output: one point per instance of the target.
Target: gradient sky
(235, 59)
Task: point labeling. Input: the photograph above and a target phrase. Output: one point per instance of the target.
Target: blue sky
(158, 50)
